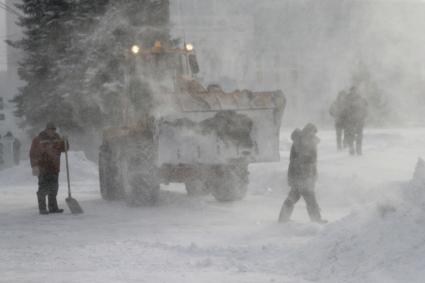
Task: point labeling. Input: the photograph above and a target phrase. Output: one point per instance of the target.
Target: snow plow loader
(177, 131)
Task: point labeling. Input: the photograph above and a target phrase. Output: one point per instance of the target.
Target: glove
(35, 171)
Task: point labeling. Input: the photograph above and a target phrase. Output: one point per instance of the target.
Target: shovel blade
(74, 206)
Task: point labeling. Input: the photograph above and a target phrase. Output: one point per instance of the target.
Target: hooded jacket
(302, 170)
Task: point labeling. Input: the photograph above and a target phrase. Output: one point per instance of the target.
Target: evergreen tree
(76, 64)
(42, 44)
(86, 15)
(50, 68)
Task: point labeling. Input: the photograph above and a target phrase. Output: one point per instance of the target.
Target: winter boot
(42, 204)
(321, 221)
(53, 205)
(317, 218)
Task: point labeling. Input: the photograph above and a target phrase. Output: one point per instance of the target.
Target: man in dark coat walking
(45, 153)
(302, 174)
(354, 115)
(336, 111)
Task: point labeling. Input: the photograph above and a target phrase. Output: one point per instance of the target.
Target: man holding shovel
(45, 154)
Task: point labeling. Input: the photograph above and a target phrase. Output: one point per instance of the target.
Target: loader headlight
(189, 47)
(135, 49)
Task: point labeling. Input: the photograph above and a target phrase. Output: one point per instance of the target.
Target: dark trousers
(339, 132)
(354, 135)
(341, 141)
(48, 185)
(293, 197)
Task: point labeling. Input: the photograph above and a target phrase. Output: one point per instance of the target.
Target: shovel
(72, 203)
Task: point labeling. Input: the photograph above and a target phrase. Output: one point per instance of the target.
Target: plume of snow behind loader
(177, 131)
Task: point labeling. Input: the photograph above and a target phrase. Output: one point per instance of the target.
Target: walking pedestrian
(302, 174)
(354, 115)
(336, 111)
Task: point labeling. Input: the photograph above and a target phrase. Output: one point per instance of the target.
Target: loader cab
(160, 62)
(188, 63)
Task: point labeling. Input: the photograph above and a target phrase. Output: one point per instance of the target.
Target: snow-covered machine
(177, 131)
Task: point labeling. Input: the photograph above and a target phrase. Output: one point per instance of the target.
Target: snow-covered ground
(376, 231)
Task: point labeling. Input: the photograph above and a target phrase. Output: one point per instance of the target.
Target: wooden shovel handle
(67, 167)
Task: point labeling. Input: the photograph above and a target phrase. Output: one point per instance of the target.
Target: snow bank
(81, 170)
(381, 242)
(20, 174)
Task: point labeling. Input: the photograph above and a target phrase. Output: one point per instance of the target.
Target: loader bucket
(215, 127)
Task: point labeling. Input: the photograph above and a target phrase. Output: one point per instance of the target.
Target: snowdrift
(81, 171)
(381, 242)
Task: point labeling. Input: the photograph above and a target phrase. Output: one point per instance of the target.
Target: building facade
(9, 79)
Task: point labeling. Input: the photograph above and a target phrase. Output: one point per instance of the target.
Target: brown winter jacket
(45, 152)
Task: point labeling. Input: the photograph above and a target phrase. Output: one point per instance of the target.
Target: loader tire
(229, 182)
(196, 187)
(109, 178)
(142, 174)
(144, 190)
